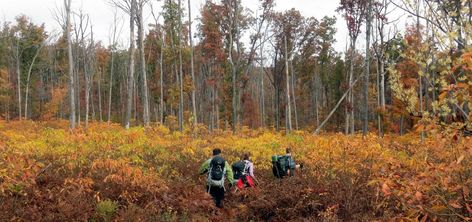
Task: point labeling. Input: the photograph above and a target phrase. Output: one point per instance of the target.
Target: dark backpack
(280, 165)
(216, 172)
(239, 169)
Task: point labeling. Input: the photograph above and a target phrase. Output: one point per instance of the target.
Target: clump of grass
(106, 209)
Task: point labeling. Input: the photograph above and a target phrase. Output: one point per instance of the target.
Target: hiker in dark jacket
(284, 165)
(217, 169)
(244, 172)
(291, 162)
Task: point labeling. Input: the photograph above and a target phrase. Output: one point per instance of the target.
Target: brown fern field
(107, 173)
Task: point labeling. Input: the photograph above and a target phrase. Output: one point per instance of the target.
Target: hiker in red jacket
(244, 172)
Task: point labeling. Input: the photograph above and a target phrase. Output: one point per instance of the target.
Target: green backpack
(280, 165)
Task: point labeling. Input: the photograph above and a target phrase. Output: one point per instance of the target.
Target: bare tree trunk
(379, 117)
(77, 89)
(161, 81)
(92, 101)
(350, 113)
(217, 106)
(287, 76)
(380, 51)
(67, 5)
(87, 94)
(314, 102)
(262, 99)
(275, 83)
(110, 87)
(89, 73)
(28, 79)
(365, 127)
(192, 72)
(234, 84)
(18, 76)
(79, 63)
(123, 106)
(129, 100)
(181, 86)
(145, 90)
(420, 78)
(135, 99)
(7, 105)
(335, 107)
(382, 89)
(213, 108)
(112, 66)
(294, 96)
(100, 96)
(233, 24)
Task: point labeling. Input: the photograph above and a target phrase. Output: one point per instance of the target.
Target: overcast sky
(101, 13)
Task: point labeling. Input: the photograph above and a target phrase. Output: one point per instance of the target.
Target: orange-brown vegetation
(107, 173)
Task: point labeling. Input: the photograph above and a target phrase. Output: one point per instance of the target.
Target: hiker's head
(288, 150)
(246, 156)
(216, 151)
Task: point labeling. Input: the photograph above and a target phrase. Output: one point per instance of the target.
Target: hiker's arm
(292, 165)
(251, 170)
(229, 173)
(251, 173)
(296, 166)
(204, 167)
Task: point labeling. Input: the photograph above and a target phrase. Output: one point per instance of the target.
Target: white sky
(101, 14)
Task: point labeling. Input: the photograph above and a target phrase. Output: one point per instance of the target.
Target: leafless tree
(145, 91)
(287, 76)
(67, 5)
(192, 72)
(115, 31)
(129, 6)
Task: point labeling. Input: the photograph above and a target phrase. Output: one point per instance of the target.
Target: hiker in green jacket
(217, 168)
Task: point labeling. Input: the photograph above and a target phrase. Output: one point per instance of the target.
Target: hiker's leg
(249, 181)
(219, 196)
(212, 192)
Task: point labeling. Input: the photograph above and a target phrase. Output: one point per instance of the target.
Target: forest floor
(107, 173)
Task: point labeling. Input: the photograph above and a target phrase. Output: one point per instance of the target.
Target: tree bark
(233, 80)
(100, 96)
(88, 72)
(181, 85)
(277, 92)
(28, 79)
(18, 78)
(110, 87)
(192, 72)
(161, 80)
(365, 127)
(129, 99)
(262, 99)
(112, 66)
(350, 113)
(67, 4)
(420, 78)
(294, 96)
(287, 76)
(142, 60)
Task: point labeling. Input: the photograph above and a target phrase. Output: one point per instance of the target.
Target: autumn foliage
(107, 173)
